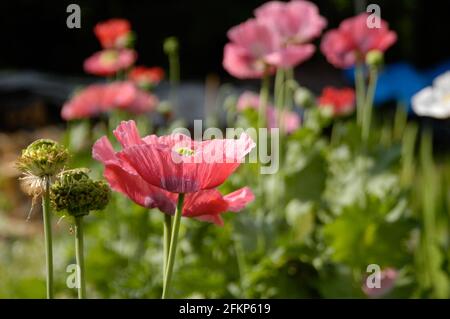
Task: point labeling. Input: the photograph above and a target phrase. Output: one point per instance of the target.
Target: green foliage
(335, 206)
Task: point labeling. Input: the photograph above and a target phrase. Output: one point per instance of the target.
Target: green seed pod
(170, 45)
(43, 158)
(77, 194)
(304, 97)
(375, 59)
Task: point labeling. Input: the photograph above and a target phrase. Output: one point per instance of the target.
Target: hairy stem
(167, 235)
(79, 251)
(173, 246)
(48, 237)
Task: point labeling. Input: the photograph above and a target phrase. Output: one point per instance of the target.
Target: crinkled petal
(127, 134)
(209, 167)
(290, 56)
(240, 63)
(138, 190)
(239, 199)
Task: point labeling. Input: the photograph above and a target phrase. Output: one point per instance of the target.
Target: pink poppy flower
(341, 101)
(295, 22)
(291, 120)
(143, 102)
(205, 205)
(146, 77)
(248, 100)
(350, 43)
(181, 165)
(387, 283)
(99, 98)
(254, 49)
(109, 62)
(113, 33)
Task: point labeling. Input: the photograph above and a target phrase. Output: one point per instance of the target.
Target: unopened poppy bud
(43, 158)
(375, 58)
(77, 194)
(304, 97)
(171, 45)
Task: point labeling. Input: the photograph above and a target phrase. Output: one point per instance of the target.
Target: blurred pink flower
(99, 98)
(349, 44)
(341, 101)
(109, 62)
(247, 100)
(291, 120)
(143, 102)
(206, 205)
(387, 283)
(295, 22)
(146, 77)
(113, 33)
(255, 49)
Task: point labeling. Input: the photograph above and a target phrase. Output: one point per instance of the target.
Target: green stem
(334, 133)
(174, 75)
(287, 103)
(167, 235)
(360, 91)
(48, 237)
(79, 251)
(279, 95)
(173, 246)
(263, 100)
(368, 104)
(279, 85)
(289, 86)
(174, 68)
(240, 259)
(428, 205)
(408, 147)
(400, 121)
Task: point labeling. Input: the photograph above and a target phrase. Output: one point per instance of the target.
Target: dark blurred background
(34, 33)
(41, 58)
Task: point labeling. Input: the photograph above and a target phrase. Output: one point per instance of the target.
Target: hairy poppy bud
(43, 158)
(77, 194)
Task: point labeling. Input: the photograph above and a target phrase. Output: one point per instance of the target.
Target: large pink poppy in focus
(181, 165)
(206, 205)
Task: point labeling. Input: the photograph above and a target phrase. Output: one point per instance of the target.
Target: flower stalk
(173, 246)
(280, 84)
(171, 48)
(360, 92)
(167, 236)
(368, 105)
(48, 237)
(79, 252)
(264, 99)
(75, 194)
(39, 162)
